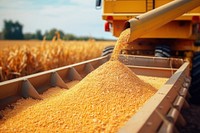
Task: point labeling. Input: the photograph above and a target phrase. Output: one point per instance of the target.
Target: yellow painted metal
(123, 10)
(183, 29)
(117, 27)
(188, 57)
(124, 6)
(120, 9)
(194, 12)
(126, 16)
(149, 5)
(159, 17)
(130, 6)
(161, 2)
(107, 6)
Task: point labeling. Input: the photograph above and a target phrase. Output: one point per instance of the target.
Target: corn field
(21, 58)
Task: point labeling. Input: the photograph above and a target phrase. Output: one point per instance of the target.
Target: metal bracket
(56, 80)
(73, 74)
(29, 91)
(175, 116)
(180, 103)
(88, 68)
(167, 125)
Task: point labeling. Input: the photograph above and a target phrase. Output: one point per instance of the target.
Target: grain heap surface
(72, 83)
(102, 102)
(22, 106)
(156, 82)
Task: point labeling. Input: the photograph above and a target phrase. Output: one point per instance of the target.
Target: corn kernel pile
(72, 83)
(122, 42)
(21, 58)
(102, 102)
(156, 82)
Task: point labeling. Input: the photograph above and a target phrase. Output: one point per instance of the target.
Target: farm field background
(21, 58)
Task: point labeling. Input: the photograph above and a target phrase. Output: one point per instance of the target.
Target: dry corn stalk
(28, 57)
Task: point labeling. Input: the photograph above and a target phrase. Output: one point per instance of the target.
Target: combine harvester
(162, 32)
(161, 113)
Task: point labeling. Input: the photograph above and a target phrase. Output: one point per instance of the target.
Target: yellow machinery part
(183, 30)
(118, 11)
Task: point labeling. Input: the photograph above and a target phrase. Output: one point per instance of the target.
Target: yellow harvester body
(161, 28)
(118, 11)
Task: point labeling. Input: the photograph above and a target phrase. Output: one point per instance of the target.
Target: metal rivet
(149, 123)
(160, 107)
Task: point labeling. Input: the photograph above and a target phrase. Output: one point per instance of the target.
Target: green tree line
(14, 31)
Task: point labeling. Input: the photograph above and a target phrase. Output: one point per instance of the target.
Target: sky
(78, 17)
